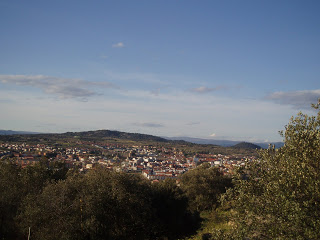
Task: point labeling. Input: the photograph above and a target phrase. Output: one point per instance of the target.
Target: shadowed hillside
(246, 145)
(116, 134)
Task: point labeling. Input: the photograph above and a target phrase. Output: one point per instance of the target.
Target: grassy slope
(213, 220)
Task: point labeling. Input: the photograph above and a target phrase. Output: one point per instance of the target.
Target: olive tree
(281, 197)
(99, 205)
(203, 186)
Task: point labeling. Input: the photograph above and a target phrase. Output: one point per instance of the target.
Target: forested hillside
(246, 145)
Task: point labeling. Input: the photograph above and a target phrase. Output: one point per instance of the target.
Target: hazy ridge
(139, 136)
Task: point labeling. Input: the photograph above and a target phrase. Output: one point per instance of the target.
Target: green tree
(99, 205)
(172, 216)
(117, 206)
(203, 186)
(58, 170)
(16, 184)
(10, 198)
(55, 213)
(34, 178)
(281, 198)
(106, 205)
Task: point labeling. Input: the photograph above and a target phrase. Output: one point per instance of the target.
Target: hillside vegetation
(59, 204)
(121, 138)
(105, 134)
(246, 145)
(278, 196)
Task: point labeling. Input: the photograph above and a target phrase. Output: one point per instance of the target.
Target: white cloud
(298, 99)
(204, 89)
(212, 135)
(118, 45)
(63, 87)
(238, 118)
(170, 113)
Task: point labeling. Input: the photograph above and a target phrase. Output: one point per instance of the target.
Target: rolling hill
(246, 145)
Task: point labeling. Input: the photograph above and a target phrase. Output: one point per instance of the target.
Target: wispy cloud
(212, 135)
(204, 89)
(149, 124)
(62, 87)
(163, 115)
(298, 99)
(118, 45)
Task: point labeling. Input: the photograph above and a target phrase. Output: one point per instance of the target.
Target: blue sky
(234, 70)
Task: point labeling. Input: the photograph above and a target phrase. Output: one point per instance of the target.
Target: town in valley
(155, 161)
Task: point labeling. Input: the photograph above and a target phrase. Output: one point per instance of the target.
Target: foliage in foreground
(280, 198)
(203, 187)
(98, 205)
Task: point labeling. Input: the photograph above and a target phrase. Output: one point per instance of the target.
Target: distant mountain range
(146, 137)
(10, 132)
(98, 134)
(224, 143)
